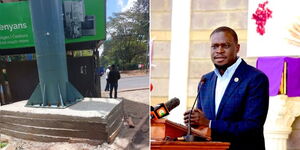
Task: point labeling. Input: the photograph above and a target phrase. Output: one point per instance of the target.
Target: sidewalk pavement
(136, 106)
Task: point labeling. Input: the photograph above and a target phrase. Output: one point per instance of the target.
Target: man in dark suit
(233, 99)
(113, 77)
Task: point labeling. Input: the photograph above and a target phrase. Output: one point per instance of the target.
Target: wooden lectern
(174, 145)
(162, 128)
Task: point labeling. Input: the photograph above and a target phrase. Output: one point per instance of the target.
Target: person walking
(2, 80)
(5, 93)
(113, 77)
(106, 77)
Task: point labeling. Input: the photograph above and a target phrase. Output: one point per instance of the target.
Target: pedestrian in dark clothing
(113, 78)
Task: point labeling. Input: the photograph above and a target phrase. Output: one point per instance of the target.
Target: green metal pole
(54, 89)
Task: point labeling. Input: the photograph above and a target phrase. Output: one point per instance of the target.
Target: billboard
(84, 20)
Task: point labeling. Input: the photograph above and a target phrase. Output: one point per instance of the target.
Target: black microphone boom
(189, 137)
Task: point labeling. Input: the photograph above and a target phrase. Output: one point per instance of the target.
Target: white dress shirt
(223, 81)
(106, 73)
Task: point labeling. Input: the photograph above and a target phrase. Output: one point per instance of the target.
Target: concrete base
(93, 120)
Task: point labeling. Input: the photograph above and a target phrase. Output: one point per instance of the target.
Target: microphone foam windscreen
(171, 104)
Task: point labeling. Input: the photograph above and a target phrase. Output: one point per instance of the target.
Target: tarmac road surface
(134, 82)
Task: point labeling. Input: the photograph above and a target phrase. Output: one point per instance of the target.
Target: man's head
(224, 47)
(113, 67)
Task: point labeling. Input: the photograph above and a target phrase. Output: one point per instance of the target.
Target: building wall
(206, 15)
(160, 28)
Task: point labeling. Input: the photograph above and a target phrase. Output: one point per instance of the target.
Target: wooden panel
(168, 145)
(162, 128)
(158, 132)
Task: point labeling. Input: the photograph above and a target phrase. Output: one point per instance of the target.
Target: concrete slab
(91, 119)
(89, 107)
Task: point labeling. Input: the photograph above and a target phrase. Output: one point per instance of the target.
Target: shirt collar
(229, 70)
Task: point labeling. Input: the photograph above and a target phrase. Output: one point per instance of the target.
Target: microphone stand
(189, 137)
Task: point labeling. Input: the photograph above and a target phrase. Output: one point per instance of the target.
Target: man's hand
(197, 118)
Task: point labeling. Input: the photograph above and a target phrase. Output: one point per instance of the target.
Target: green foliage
(3, 144)
(128, 36)
(83, 53)
(10, 58)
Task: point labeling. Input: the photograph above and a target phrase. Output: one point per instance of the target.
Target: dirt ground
(136, 106)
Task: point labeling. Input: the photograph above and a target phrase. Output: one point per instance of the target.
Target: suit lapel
(212, 101)
(233, 84)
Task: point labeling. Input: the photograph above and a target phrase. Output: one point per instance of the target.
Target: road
(129, 82)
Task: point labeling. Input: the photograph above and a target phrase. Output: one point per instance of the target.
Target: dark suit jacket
(113, 76)
(243, 108)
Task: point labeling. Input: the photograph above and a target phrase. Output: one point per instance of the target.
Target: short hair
(113, 66)
(228, 30)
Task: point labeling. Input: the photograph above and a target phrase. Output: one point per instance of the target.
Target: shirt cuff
(209, 124)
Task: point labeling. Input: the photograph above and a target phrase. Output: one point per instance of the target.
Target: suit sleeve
(198, 99)
(256, 101)
(200, 84)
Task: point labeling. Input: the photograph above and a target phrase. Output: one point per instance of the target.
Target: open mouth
(219, 58)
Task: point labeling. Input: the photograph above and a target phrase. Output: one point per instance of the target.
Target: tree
(128, 36)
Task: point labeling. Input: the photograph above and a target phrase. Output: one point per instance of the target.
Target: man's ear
(238, 48)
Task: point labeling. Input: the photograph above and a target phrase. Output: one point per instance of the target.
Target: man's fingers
(194, 123)
(199, 111)
(194, 119)
(194, 116)
(187, 112)
(186, 121)
(186, 117)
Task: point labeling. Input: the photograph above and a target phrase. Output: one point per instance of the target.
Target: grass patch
(3, 144)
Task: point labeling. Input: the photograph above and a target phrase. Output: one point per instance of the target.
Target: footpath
(136, 108)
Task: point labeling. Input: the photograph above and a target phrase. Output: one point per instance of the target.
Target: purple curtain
(273, 68)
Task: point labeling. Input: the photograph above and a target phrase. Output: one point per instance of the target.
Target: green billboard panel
(84, 20)
(15, 25)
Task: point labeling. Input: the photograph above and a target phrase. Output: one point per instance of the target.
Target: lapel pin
(236, 79)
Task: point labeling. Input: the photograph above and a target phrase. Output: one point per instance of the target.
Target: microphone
(163, 109)
(189, 137)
